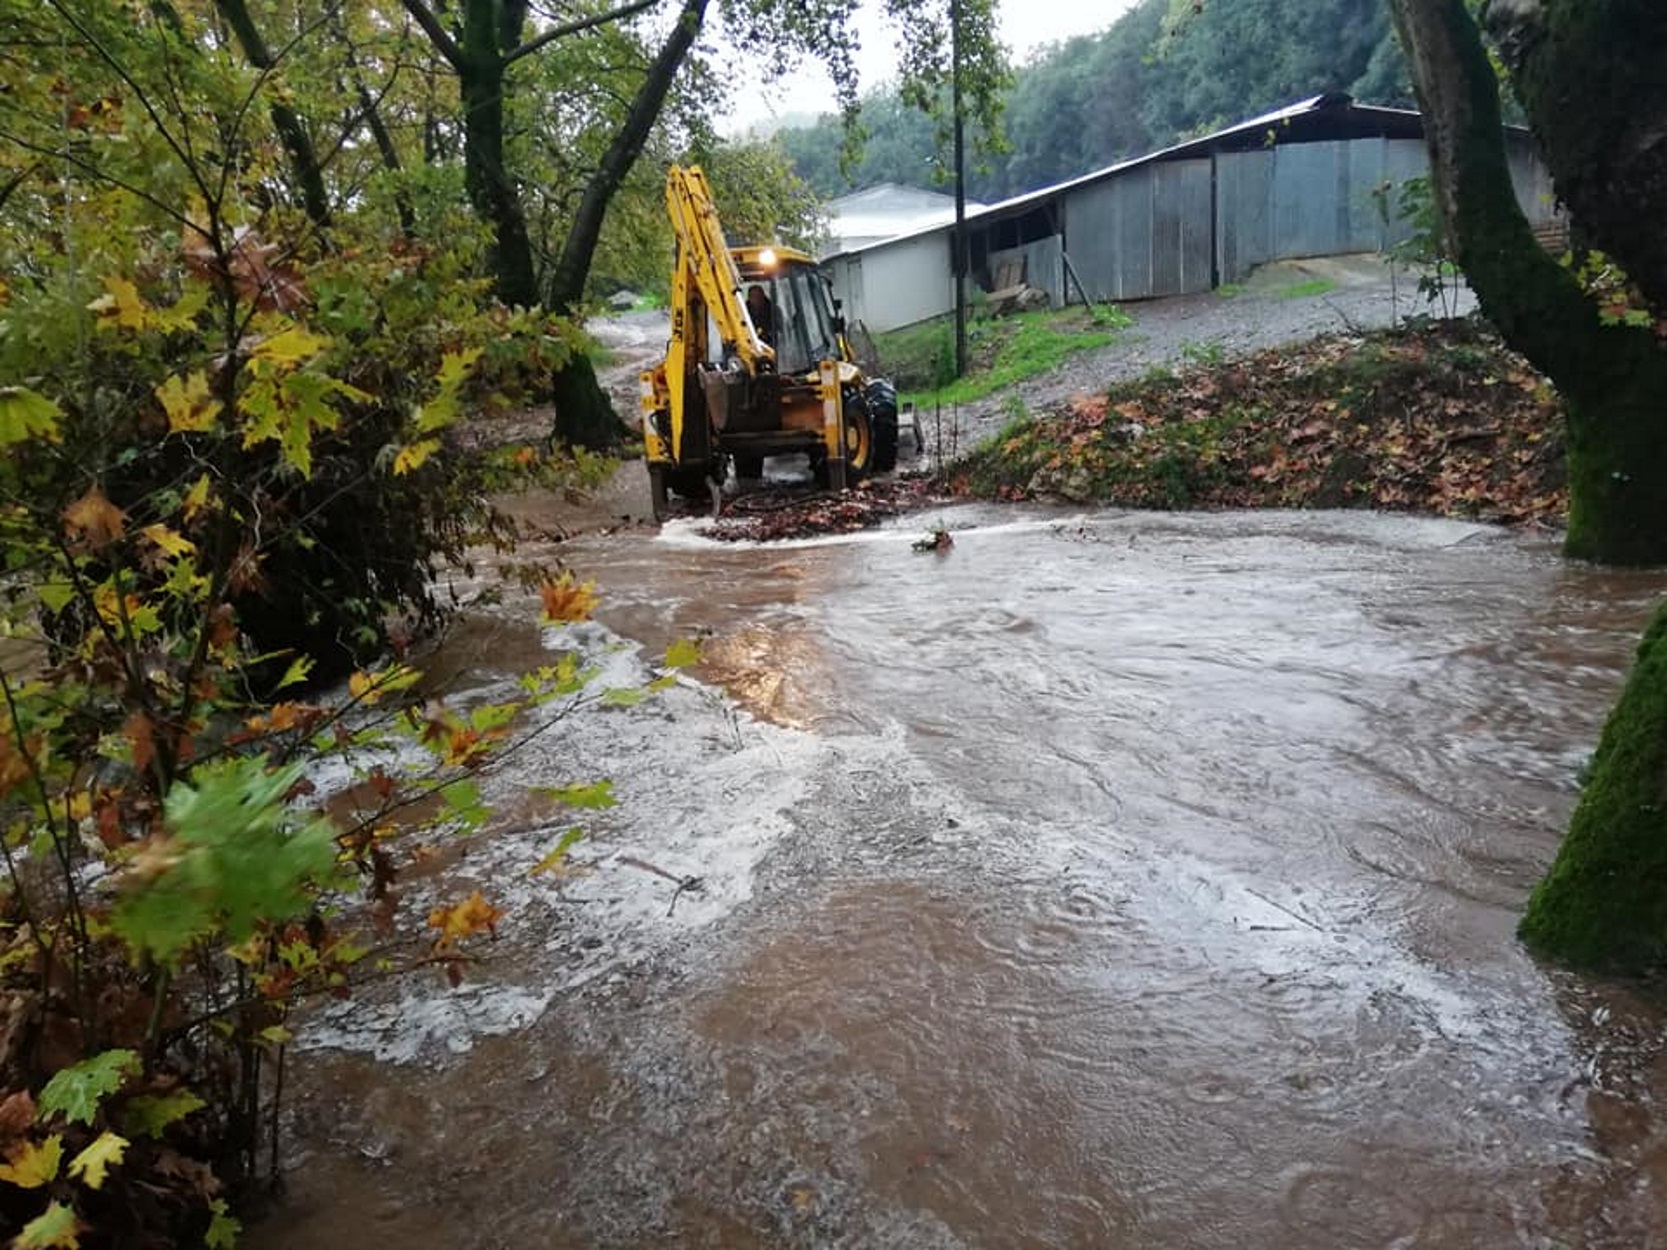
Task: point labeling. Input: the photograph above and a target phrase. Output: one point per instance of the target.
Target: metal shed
(1293, 183)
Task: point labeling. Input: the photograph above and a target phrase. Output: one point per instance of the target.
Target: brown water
(1116, 881)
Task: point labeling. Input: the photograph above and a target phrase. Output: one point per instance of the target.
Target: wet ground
(1106, 880)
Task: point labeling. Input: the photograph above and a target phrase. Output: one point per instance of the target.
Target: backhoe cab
(757, 365)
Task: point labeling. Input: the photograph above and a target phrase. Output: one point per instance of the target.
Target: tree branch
(443, 42)
(574, 27)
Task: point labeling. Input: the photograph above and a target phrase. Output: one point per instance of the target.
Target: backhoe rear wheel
(881, 399)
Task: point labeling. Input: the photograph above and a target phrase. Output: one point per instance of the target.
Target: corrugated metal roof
(1334, 110)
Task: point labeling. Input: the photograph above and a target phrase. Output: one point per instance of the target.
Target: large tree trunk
(292, 131)
(1604, 903)
(1613, 378)
(584, 414)
(482, 73)
(1589, 75)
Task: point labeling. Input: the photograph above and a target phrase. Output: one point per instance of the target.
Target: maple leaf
(104, 1153)
(77, 1091)
(56, 1228)
(168, 541)
(188, 403)
(94, 518)
(412, 456)
(25, 415)
(568, 599)
(461, 920)
(198, 499)
(33, 1164)
(121, 305)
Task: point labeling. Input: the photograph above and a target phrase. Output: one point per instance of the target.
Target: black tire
(881, 397)
(859, 438)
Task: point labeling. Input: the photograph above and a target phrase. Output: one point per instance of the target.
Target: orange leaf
(95, 518)
(473, 915)
(568, 600)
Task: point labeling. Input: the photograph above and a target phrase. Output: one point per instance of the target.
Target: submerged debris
(937, 540)
(778, 513)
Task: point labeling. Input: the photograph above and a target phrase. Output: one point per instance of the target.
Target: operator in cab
(762, 310)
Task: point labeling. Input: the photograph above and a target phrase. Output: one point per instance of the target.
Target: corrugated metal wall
(1148, 230)
(1141, 233)
(1040, 266)
(1307, 199)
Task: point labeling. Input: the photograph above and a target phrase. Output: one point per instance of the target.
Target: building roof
(886, 210)
(1333, 115)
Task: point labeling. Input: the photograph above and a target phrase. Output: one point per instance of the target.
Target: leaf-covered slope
(1438, 419)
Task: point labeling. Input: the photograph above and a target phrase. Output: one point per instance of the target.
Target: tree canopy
(1159, 73)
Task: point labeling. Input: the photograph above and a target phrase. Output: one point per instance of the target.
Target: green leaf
(553, 860)
(26, 414)
(683, 653)
(297, 671)
(104, 1153)
(623, 696)
(236, 859)
(76, 1092)
(149, 1115)
(222, 1228)
(55, 595)
(56, 1228)
(591, 794)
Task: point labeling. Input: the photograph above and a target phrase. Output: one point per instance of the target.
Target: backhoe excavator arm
(703, 258)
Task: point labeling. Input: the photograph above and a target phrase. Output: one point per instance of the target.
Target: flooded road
(1108, 880)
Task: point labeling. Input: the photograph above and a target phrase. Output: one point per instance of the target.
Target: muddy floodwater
(1107, 880)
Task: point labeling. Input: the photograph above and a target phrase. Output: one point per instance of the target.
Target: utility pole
(958, 241)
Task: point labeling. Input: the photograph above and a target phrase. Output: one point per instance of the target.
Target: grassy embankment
(1437, 419)
(1001, 351)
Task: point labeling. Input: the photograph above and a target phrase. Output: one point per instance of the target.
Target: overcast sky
(1025, 26)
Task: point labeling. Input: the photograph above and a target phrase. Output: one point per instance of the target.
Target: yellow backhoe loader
(758, 365)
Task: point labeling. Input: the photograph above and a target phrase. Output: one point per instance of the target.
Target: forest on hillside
(1161, 72)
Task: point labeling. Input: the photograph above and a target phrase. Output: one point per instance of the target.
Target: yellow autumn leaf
(198, 500)
(121, 305)
(412, 456)
(33, 1164)
(94, 518)
(290, 346)
(362, 686)
(169, 542)
(568, 599)
(473, 915)
(92, 1163)
(188, 403)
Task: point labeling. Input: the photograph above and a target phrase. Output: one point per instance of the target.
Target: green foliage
(1147, 80)
(1004, 350)
(1424, 248)
(231, 862)
(77, 1092)
(1305, 290)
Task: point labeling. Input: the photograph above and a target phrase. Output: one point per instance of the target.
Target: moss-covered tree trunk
(1613, 378)
(1604, 903)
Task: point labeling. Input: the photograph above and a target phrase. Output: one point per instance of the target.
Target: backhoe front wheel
(859, 446)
